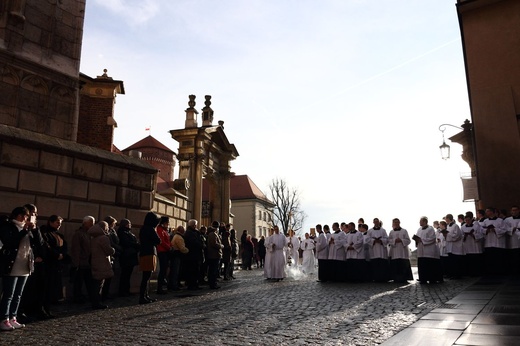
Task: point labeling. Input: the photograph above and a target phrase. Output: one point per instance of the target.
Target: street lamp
(445, 148)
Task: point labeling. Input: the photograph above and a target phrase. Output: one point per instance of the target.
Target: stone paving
(247, 311)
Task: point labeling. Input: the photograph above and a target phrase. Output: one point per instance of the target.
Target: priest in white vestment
(278, 243)
(308, 264)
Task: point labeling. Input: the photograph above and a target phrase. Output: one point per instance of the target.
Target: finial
(104, 75)
(208, 100)
(191, 103)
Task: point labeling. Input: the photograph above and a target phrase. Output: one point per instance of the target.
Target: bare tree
(287, 211)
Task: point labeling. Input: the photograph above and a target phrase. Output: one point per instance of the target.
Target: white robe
(496, 238)
(339, 245)
(308, 264)
(292, 250)
(278, 244)
(268, 256)
(441, 243)
(428, 247)
(512, 226)
(332, 248)
(399, 250)
(354, 239)
(322, 247)
(473, 238)
(454, 244)
(377, 250)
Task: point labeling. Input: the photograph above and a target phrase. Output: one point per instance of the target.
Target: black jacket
(194, 243)
(11, 237)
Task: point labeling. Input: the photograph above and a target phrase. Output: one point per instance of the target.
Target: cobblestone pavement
(247, 311)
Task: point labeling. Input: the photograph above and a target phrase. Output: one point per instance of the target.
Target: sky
(341, 98)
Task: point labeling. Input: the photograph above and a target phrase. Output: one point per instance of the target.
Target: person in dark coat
(129, 255)
(234, 252)
(248, 253)
(57, 255)
(148, 254)
(114, 242)
(261, 251)
(226, 252)
(33, 304)
(195, 256)
(101, 263)
(16, 264)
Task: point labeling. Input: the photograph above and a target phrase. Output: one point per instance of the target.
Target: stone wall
(72, 180)
(40, 48)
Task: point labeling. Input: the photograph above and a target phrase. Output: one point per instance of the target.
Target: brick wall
(93, 129)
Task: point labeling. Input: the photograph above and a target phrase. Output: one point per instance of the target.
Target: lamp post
(445, 148)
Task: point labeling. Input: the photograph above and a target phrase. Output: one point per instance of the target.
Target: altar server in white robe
(336, 253)
(333, 235)
(398, 240)
(441, 233)
(278, 244)
(494, 243)
(308, 264)
(268, 254)
(377, 240)
(356, 264)
(472, 243)
(512, 224)
(455, 248)
(428, 261)
(293, 244)
(322, 254)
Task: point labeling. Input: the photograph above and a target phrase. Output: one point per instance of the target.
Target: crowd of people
(488, 244)
(32, 258)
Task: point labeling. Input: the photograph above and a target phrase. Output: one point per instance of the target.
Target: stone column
(225, 194)
(197, 173)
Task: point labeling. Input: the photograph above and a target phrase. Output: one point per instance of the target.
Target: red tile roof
(148, 142)
(241, 188)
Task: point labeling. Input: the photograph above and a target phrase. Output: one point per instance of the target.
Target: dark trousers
(33, 298)
(231, 268)
(192, 273)
(213, 266)
(143, 291)
(456, 265)
(203, 271)
(97, 291)
(325, 270)
(164, 259)
(83, 275)
(226, 269)
(124, 280)
(175, 272)
(494, 261)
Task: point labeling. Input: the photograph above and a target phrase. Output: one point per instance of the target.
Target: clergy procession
(487, 245)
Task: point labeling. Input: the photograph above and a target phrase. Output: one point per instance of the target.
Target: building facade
(252, 210)
(490, 31)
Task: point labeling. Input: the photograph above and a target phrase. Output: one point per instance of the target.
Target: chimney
(96, 111)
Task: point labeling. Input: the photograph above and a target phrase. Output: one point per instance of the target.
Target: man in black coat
(195, 256)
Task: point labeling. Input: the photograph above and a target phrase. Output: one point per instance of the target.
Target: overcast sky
(343, 99)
